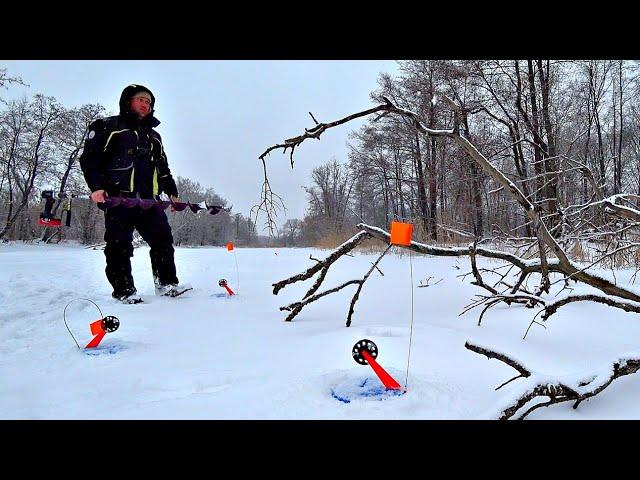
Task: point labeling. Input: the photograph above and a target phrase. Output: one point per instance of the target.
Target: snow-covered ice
(206, 355)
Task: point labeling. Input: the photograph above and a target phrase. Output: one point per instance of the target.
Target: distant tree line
(539, 121)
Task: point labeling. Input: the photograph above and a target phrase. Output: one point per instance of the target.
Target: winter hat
(144, 95)
(131, 91)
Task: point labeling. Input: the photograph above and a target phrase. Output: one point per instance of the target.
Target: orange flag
(401, 233)
(98, 330)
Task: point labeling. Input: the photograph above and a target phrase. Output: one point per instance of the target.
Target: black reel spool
(361, 345)
(222, 282)
(110, 323)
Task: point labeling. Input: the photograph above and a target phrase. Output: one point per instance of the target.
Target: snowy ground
(205, 356)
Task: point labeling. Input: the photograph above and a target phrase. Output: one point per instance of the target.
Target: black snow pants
(153, 226)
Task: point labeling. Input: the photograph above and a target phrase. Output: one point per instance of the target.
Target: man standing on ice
(123, 156)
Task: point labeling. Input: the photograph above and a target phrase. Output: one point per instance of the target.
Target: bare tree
(69, 140)
(292, 229)
(27, 127)
(6, 80)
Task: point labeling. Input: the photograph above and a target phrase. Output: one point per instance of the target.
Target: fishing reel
(223, 283)
(361, 346)
(110, 323)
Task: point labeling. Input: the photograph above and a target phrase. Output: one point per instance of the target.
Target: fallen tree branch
(322, 265)
(527, 266)
(427, 284)
(474, 268)
(499, 356)
(296, 307)
(552, 308)
(574, 390)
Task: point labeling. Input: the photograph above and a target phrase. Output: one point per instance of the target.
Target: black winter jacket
(123, 154)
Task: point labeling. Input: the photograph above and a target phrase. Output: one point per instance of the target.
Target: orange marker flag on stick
(401, 233)
(223, 284)
(387, 380)
(230, 249)
(96, 327)
(98, 330)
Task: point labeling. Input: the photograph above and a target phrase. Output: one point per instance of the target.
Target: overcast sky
(219, 116)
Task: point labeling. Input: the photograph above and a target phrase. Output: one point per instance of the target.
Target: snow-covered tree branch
(556, 390)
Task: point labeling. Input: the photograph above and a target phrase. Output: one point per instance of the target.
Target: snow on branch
(626, 298)
(627, 306)
(296, 307)
(323, 265)
(557, 390)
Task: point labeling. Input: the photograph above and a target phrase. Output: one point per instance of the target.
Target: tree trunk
(619, 159)
(422, 194)
(475, 189)
(551, 160)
